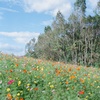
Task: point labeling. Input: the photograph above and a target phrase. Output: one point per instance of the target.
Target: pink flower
(10, 82)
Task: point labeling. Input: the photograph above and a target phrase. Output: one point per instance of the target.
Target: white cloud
(65, 9)
(2, 45)
(11, 1)
(11, 49)
(14, 42)
(47, 22)
(52, 6)
(93, 3)
(8, 9)
(8, 46)
(91, 6)
(48, 6)
(20, 37)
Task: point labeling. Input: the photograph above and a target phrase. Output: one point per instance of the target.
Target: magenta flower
(10, 82)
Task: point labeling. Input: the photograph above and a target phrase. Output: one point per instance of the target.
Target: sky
(22, 20)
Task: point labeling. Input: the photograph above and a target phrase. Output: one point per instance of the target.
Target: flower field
(23, 78)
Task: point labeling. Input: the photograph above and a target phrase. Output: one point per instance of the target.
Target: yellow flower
(8, 89)
(42, 69)
(85, 99)
(18, 94)
(21, 91)
(19, 83)
(51, 86)
(67, 88)
(49, 83)
(98, 86)
(35, 82)
(28, 84)
(28, 89)
(86, 96)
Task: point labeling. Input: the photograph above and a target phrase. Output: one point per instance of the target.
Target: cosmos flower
(66, 82)
(19, 83)
(36, 89)
(82, 80)
(81, 92)
(18, 94)
(9, 96)
(10, 82)
(72, 77)
(8, 89)
(0, 81)
(16, 65)
(78, 68)
(51, 86)
(21, 98)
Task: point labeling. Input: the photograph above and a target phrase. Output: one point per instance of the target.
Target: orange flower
(78, 68)
(16, 65)
(72, 77)
(9, 96)
(34, 68)
(25, 71)
(66, 82)
(11, 70)
(39, 61)
(85, 74)
(36, 89)
(81, 80)
(74, 72)
(81, 92)
(21, 99)
(70, 69)
(57, 72)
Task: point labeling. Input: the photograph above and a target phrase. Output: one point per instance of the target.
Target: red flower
(36, 89)
(16, 65)
(81, 92)
(10, 82)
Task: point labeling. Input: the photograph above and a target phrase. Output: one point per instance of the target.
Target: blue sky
(21, 20)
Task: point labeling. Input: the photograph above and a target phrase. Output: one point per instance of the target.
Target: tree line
(75, 40)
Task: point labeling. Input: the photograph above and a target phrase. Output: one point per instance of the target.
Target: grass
(24, 78)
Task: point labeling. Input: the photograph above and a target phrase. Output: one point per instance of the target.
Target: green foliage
(23, 78)
(76, 40)
(80, 6)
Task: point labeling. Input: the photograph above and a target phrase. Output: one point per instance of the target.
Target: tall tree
(80, 6)
(98, 7)
(76, 40)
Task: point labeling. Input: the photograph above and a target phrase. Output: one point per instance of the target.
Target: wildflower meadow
(23, 78)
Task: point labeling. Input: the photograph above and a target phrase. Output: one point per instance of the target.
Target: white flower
(0, 81)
